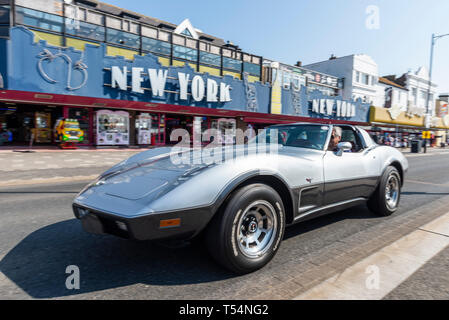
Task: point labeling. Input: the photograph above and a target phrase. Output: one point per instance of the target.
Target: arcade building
(131, 80)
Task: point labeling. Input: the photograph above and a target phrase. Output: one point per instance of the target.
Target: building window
(366, 79)
(286, 79)
(251, 68)
(357, 76)
(232, 64)
(156, 46)
(185, 53)
(88, 30)
(4, 14)
(210, 59)
(39, 19)
(123, 38)
(423, 94)
(324, 90)
(187, 33)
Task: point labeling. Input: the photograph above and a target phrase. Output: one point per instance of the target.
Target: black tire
(378, 203)
(238, 219)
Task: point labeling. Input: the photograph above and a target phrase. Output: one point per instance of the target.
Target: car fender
(391, 156)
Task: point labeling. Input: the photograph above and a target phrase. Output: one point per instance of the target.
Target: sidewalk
(394, 270)
(61, 166)
(429, 150)
(34, 149)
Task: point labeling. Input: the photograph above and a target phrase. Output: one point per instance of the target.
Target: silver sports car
(241, 197)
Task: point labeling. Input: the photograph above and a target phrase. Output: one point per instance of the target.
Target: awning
(267, 120)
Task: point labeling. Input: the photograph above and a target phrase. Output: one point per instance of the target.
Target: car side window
(351, 136)
(369, 142)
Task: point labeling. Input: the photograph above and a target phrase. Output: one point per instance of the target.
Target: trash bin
(416, 146)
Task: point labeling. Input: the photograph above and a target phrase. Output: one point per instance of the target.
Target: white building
(391, 94)
(359, 71)
(417, 84)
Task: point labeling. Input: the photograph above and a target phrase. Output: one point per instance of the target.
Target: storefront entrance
(150, 129)
(23, 123)
(174, 122)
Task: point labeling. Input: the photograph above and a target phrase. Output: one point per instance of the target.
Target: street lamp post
(428, 113)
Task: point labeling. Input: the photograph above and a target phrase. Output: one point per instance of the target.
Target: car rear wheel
(385, 201)
(245, 235)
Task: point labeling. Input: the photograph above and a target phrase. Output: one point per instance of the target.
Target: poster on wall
(112, 128)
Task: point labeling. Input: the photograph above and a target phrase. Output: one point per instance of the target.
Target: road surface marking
(395, 263)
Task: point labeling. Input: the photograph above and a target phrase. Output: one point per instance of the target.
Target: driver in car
(335, 139)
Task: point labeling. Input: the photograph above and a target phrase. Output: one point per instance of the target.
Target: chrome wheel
(392, 192)
(257, 229)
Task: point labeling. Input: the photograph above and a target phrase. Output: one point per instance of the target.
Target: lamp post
(428, 113)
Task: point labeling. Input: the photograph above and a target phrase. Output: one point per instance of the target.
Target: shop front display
(112, 128)
(143, 127)
(226, 130)
(42, 127)
(68, 130)
(84, 118)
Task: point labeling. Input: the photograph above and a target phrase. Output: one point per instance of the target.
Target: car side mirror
(342, 147)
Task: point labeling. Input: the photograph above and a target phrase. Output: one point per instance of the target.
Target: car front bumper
(152, 226)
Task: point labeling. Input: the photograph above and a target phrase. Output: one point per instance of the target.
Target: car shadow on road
(358, 212)
(38, 263)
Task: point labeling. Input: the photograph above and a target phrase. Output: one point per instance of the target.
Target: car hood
(138, 181)
(145, 178)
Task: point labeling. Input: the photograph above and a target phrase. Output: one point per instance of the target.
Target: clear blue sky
(310, 31)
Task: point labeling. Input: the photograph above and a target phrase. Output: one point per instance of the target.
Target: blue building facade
(75, 83)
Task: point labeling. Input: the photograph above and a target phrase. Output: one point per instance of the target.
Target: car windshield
(71, 126)
(299, 136)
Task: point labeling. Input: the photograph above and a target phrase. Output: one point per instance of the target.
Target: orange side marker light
(171, 223)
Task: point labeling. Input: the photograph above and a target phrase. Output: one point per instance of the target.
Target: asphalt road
(39, 238)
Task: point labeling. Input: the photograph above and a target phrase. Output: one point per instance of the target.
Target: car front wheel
(246, 234)
(385, 201)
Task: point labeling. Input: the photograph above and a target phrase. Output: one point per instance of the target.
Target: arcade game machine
(68, 133)
(42, 127)
(143, 127)
(112, 128)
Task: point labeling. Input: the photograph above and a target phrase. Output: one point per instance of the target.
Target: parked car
(243, 204)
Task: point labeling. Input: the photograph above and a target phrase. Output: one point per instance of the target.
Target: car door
(351, 175)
